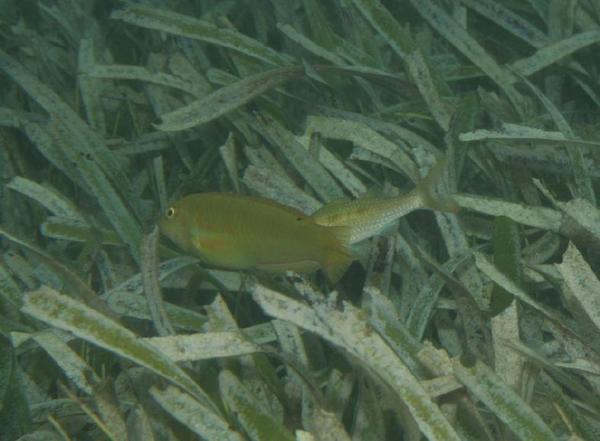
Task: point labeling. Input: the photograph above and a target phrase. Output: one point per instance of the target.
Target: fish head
(177, 223)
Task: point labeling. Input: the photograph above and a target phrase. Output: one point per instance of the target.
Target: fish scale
(367, 217)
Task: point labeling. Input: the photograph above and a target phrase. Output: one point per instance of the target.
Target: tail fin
(339, 256)
(434, 191)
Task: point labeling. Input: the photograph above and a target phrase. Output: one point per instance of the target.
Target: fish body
(368, 216)
(235, 231)
(244, 232)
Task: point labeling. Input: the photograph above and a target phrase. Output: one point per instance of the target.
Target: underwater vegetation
(479, 322)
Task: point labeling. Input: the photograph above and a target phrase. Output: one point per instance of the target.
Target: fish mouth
(162, 222)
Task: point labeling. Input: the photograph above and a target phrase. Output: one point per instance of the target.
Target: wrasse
(234, 231)
(245, 232)
(368, 216)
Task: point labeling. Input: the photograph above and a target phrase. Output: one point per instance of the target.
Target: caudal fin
(339, 256)
(434, 191)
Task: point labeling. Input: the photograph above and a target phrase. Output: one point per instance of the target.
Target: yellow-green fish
(245, 232)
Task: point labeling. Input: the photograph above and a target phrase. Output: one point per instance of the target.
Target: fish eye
(170, 212)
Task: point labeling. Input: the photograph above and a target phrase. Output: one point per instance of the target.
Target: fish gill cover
(477, 325)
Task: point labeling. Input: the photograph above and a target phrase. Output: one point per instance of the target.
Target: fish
(369, 216)
(240, 232)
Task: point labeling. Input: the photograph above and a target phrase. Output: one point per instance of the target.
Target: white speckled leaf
(194, 415)
(504, 402)
(581, 282)
(65, 313)
(350, 330)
